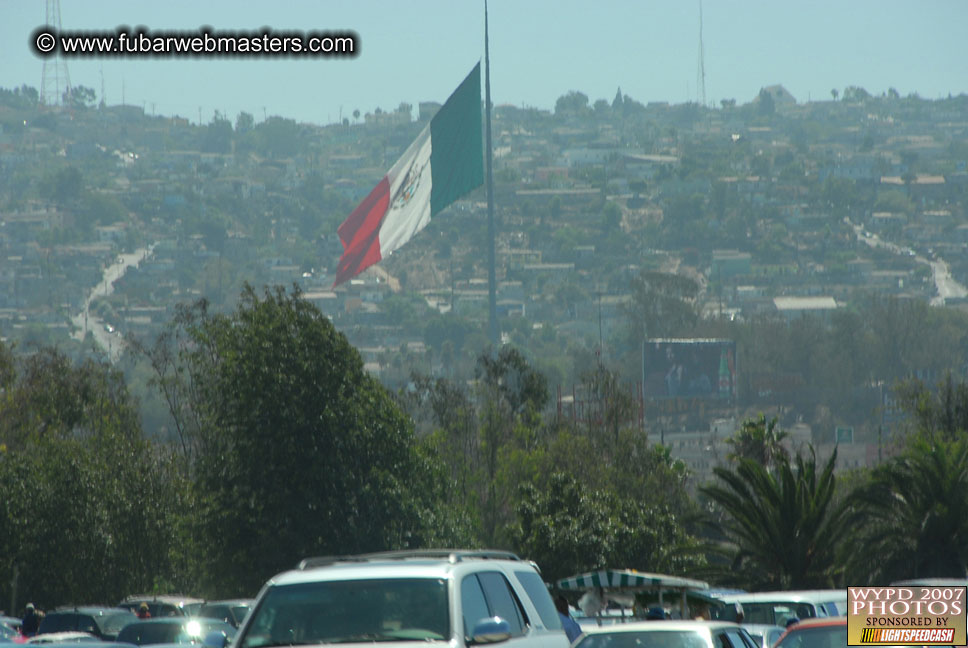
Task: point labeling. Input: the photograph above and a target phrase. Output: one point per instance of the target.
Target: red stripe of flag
(360, 232)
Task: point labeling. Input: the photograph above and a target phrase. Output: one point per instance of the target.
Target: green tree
(300, 451)
(511, 395)
(279, 137)
(617, 101)
(64, 186)
(942, 411)
(217, 137)
(84, 496)
(840, 195)
(79, 97)
(612, 407)
(662, 305)
(244, 122)
(573, 103)
(611, 217)
(764, 103)
(569, 528)
(759, 440)
(783, 527)
(855, 93)
(895, 201)
(912, 516)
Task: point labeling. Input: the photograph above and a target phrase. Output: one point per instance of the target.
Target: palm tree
(911, 519)
(759, 440)
(782, 526)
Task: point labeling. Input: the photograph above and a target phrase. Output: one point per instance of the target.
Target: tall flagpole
(494, 332)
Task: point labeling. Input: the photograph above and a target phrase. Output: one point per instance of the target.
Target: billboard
(689, 368)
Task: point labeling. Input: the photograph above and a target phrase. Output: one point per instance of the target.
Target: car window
(740, 639)
(158, 610)
(220, 612)
(835, 608)
(238, 613)
(86, 624)
(825, 637)
(777, 613)
(149, 633)
(112, 624)
(352, 611)
(650, 639)
(231, 614)
(58, 622)
(502, 601)
(473, 604)
(541, 598)
(773, 635)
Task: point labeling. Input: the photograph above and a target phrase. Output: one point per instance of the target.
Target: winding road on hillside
(107, 337)
(944, 283)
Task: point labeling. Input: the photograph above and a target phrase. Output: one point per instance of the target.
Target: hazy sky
(415, 50)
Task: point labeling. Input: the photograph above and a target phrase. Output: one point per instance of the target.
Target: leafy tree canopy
(783, 527)
(84, 497)
(300, 451)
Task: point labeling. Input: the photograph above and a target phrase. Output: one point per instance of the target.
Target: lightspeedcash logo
(906, 616)
(896, 636)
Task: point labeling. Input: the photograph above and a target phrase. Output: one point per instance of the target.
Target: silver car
(667, 634)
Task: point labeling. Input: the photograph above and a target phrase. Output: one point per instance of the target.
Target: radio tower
(701, 72)
(55, 81)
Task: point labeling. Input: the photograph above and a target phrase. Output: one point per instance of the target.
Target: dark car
(232, 611)
(102, 622)
(173, 630)
(164, 605)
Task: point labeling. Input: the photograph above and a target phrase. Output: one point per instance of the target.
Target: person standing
(30, 622)
(571, 627)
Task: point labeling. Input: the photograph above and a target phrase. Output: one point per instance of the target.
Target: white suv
(461, 598)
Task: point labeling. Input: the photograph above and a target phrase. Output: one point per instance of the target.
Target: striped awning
(629, 579)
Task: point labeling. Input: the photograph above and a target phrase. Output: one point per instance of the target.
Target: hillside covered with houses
(828, 239)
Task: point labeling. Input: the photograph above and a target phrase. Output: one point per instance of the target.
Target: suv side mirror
(214, 640)
(491, 630)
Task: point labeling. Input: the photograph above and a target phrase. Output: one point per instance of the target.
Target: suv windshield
(357, 611)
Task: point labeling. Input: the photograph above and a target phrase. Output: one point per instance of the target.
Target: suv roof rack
(324, 561)
(451, 555)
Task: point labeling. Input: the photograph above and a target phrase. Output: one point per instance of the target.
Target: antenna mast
(54, 81)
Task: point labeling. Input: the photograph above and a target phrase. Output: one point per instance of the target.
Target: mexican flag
(441, 165)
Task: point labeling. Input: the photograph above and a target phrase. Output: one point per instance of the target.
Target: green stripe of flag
(457, 148)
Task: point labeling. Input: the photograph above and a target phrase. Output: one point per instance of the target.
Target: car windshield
(186, 631)
(824, 637)
(644, 639)
(359, 611)
(111, 624)
(232, 614)
(768, 613)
